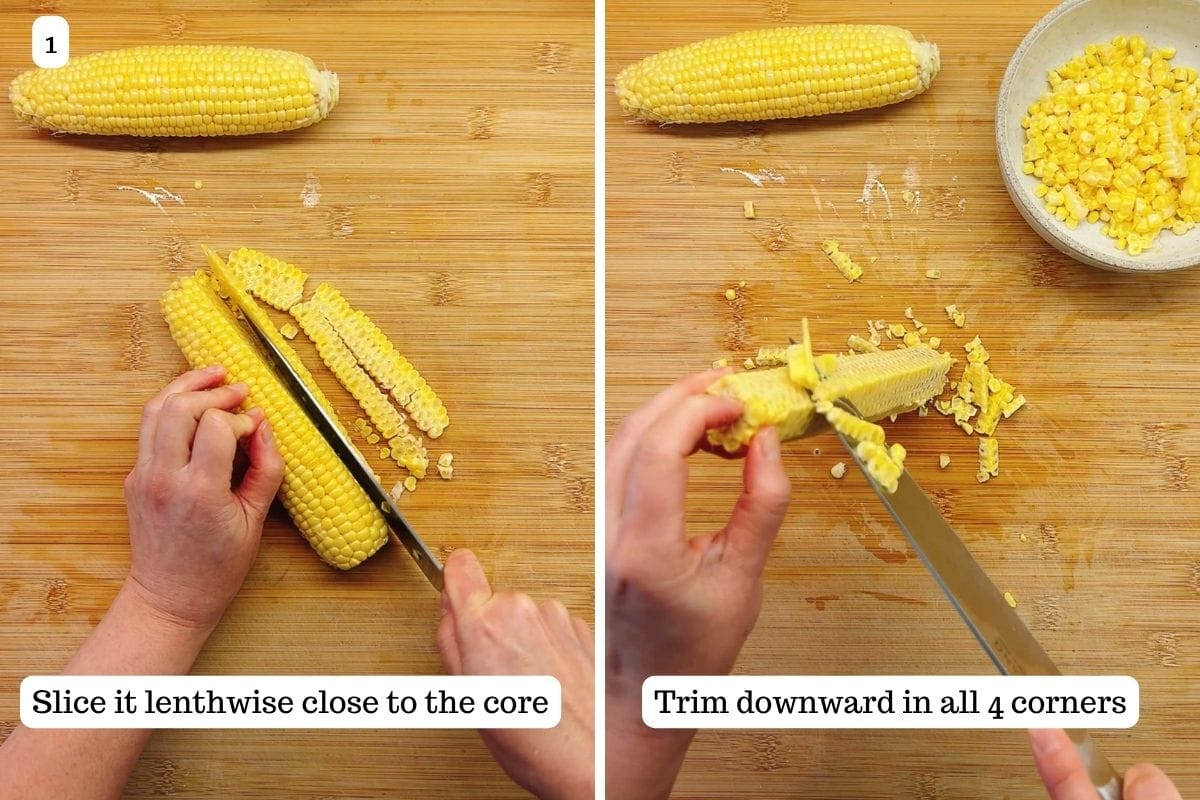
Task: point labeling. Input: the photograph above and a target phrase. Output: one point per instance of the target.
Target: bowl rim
(1116, 260)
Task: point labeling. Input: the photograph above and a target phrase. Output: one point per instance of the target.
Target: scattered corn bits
(933, 274)
(410, 484)
(943, 460)
(838, 470)
(959, 318)
(288, 330)
(850, 270)
(1012, 601)
(731, 295)
(989, 459)
(720, 363)
(1116, 141)
(771, 357)
(748, 209)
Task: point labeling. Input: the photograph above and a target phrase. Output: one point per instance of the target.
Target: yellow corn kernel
(989, 459)
(944, 460)
(748, 209)
(376, 354)
(177, 90)
(288, 330)
(731, 295)
(408, 451)
(1008, 598)
(882, 468)
(846, 265)
(933, 274)
(277, 283)
(771, 357)
(410, 484)
(802, 368)
(326, 504)
(838, 470)
(854, 428)
(860, 345)
(341, 362)
(768, 398)
(779, 73)
(720, 363)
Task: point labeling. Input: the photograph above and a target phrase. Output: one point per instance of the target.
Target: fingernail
(214, 368)
(267, 436)
(240, 386)
(1045, 742)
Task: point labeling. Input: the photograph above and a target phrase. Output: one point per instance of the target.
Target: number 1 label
(51, 42)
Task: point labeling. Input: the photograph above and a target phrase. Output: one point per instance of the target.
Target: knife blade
(399, 529)
(1008, 643)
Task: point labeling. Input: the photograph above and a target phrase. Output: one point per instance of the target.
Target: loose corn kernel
(731, 295)
(1114, 141)
(779, 73)
(720, 363)
(1008, 598)
(748, 209)
(933, 274)
(850, 270)
(944, 460)
(410, 483)
(288, 330)
(838, 470)
(771, 357)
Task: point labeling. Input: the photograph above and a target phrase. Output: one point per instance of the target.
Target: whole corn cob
(326, 504)
(779, 73)
(177, 90)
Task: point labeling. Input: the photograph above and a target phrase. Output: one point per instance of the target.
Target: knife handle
(1103, 776)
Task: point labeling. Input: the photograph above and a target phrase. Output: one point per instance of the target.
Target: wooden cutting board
(450, 195)
(1092, 523)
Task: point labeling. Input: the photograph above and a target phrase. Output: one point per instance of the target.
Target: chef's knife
(1004, 637)
(349, 455)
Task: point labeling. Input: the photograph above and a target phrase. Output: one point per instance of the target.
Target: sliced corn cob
(177, 90)
(858, 344)
(878, 384)
(277, 283)
(390, 423)
(769, 398)
(854, 427)
(889, 382)
(881, 464)
(327, 505)
(376, 354)
(778, 73)
(771, 357)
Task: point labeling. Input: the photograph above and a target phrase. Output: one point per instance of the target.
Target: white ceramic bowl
(1059, 37)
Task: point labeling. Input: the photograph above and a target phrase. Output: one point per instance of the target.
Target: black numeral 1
(50, 46)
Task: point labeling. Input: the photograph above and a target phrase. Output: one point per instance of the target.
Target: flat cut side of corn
(802, 367)
(376, 354)
(408, 449)
(177, 90)
(779, 73)
(769, 399)
(277, 283)
(326, 504)
(886, 383)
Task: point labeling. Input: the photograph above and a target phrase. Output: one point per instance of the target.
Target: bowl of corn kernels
(1098, 132)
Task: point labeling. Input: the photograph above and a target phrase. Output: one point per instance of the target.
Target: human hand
(194, 535)
(486, 633)
(1065, 777)
(677, 605)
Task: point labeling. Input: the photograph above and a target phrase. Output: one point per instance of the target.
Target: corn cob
(878, 384)
(769, 399)
(779, 73)
(326, 504)
(376, 354)
(177, 90)
(277, 283)
(885, 383)
(407, 449)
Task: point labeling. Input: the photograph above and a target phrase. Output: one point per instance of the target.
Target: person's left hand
(194, 535)
(486, 633)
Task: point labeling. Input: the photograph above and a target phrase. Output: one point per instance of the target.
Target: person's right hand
(677, 604)
(1066, 778)
(194, 535)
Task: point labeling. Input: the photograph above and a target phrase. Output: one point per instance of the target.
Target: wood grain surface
(455, 186)
(1092, 523)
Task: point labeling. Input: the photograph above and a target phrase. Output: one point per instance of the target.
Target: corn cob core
(878, 384)
(177, 90)
(327, 505)
(779, 73)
